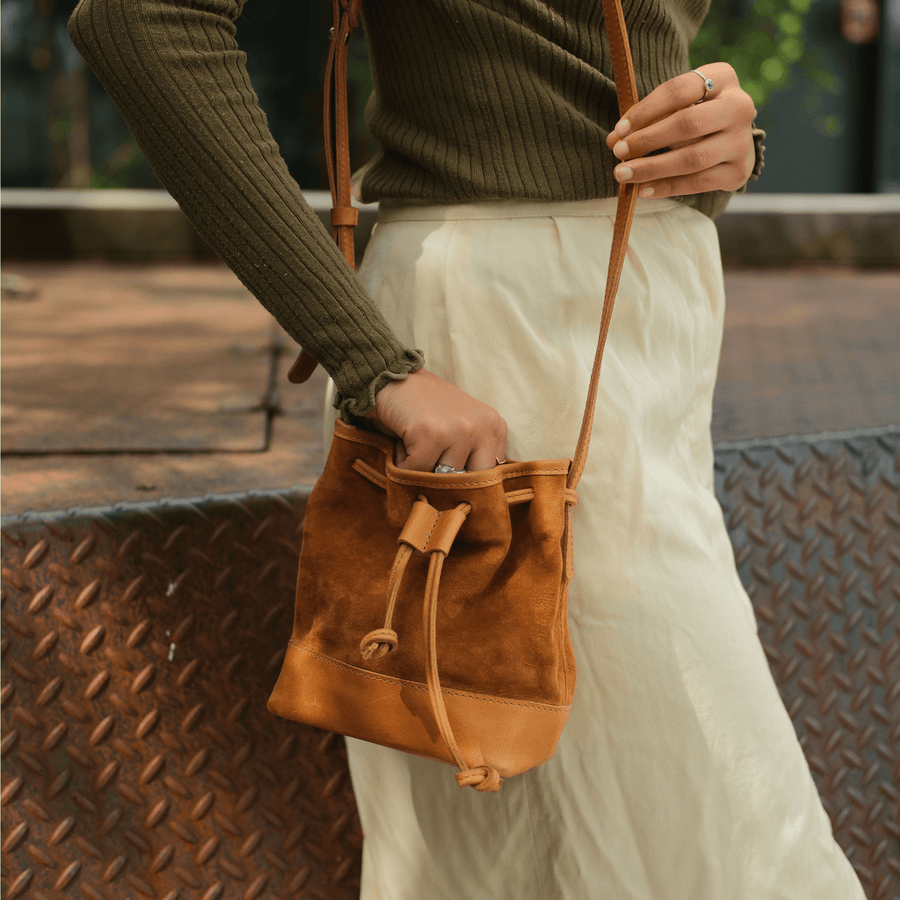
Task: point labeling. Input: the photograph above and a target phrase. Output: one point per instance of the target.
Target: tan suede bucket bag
(431, 609)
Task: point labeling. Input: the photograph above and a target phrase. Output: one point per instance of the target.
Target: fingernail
(623, 127)
(646, 192)
(621, 149)
(623, 173)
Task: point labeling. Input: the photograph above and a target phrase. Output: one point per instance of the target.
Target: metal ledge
(884, 436)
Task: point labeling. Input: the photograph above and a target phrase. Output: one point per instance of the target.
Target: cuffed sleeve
(361, 400)
(758, 137)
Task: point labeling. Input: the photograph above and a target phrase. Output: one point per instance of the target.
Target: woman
(678, 774)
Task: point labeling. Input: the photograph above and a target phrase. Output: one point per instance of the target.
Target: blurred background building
(825, 75)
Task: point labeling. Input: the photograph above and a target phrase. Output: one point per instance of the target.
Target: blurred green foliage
(764, 45)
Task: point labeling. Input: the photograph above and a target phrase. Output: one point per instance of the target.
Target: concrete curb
(148, 225)
(786, 229)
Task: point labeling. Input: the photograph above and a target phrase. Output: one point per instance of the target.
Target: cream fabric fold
(679, 775)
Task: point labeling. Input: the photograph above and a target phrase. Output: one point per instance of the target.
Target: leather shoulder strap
(344, 215)
(626, 91)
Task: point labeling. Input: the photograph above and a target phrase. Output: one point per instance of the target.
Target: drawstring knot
(378, 643)
(432, 533)
(482, 778)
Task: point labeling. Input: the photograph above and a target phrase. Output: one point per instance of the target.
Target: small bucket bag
(431, 609)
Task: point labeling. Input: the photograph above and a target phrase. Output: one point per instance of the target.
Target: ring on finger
(444, 469)
(708, 84)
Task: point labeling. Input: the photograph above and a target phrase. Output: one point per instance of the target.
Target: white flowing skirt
(678, 775)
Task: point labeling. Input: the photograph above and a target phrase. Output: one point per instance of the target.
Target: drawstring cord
(430, 532)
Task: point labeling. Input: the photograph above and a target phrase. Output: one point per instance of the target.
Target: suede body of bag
(431, 610)
(506, 667)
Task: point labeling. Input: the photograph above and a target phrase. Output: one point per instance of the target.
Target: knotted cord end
(482, 778)
(378, 643)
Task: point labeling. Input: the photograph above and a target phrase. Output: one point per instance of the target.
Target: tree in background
(765, 45)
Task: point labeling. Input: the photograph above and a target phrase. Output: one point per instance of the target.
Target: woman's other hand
(709, 145)
(438, 422)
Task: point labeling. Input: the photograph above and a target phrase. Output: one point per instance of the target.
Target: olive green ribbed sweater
(473, 99)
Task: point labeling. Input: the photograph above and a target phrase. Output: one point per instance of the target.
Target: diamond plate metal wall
(139, 760)
(140, 645)
(816, 532)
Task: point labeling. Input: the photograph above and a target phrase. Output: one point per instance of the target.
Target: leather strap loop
(481, 777)
(419, 524)
(352, 7)
(400, 563)
(484, 778)
(344, 215)
(446, 529)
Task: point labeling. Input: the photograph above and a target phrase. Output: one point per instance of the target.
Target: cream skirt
(678, 775)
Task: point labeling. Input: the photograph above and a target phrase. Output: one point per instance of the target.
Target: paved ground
(143, 381)
(808, 350)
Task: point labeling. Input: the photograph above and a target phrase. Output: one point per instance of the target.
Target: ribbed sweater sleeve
(174, 70)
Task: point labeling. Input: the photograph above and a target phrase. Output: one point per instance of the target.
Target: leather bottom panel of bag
(504, 655)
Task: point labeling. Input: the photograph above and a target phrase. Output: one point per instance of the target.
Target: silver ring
(444, 469)
(708, 83)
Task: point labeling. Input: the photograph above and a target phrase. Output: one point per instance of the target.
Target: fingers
(677, 93)
(722, 161)
(430, 443)
(486, 453)
(684, 126)
(472, 449)
(702, 147)
(722, 177)
(438, 422)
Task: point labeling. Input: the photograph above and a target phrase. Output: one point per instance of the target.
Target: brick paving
(130, 382)
(808, 350)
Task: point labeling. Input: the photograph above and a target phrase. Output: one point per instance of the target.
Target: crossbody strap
(626, 91)
(344, 215)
